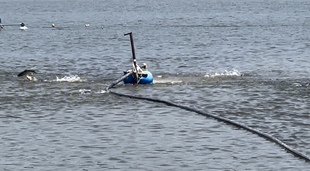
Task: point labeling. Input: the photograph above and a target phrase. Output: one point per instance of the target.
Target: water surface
(247, 61)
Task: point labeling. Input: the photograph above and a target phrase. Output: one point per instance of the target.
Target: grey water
(245, 60)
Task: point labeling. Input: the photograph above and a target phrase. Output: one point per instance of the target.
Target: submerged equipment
(138, 76)
(145, 77)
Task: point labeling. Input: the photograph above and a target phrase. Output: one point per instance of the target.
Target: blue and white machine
(145, 77)
(137, 75)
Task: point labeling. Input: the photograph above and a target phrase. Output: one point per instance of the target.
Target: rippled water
(247, 61)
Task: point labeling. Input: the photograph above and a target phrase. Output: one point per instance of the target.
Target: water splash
(85, 91)
(167, 81)
(88, 91)
(296, 84)
(234, 72)
(103, 92)
(71, 78)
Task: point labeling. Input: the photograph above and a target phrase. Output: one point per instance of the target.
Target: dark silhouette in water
(28, 74)
(1, 26)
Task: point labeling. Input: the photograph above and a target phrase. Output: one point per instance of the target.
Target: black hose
(236, 124)
(118, 81)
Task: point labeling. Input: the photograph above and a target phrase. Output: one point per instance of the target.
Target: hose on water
(118, 81)
(236, 124)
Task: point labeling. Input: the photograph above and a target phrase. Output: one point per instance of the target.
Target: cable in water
(221, 119)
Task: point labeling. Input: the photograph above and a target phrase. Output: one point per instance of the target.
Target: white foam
(234, 72)
(84, 91)
(167, 81)
(88, 91)
(70, 78)
(103, 91)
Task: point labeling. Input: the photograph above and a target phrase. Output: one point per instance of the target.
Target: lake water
(245, 60)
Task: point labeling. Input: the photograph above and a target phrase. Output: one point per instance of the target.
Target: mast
(134, 60)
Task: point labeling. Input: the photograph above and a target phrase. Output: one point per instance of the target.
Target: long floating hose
(261, 134)
(118, 81)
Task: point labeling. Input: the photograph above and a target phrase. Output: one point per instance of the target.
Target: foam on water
(301, 84)
(161, 80)
(88, 91)
(234, 72)
(85, 91)
(178, 79)
(70, 78)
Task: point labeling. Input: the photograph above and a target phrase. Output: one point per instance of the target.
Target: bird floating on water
(23, 26)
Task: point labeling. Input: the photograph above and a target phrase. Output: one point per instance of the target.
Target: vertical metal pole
(134, 60)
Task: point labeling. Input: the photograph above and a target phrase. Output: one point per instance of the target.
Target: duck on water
(23, 26)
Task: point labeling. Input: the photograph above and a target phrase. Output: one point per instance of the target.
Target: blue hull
(148, 79)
